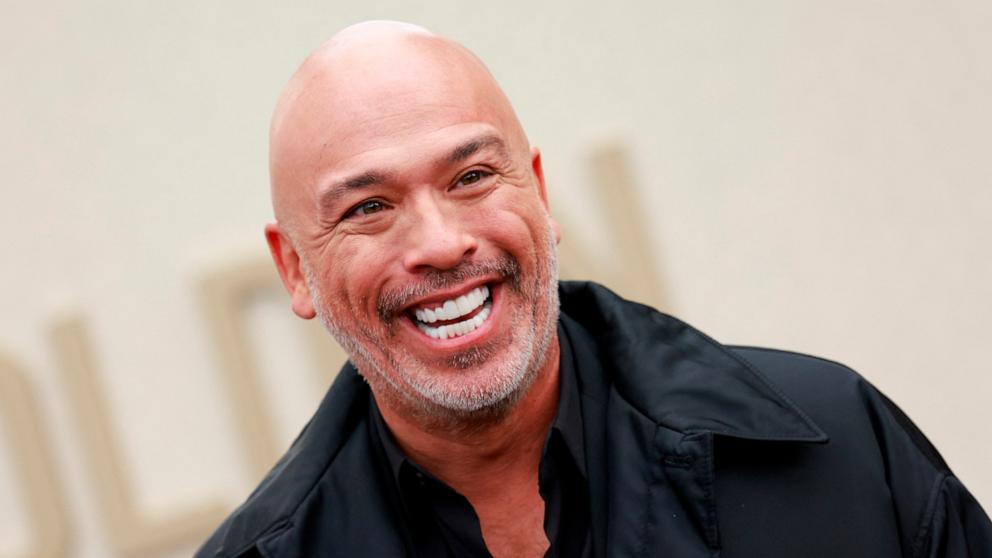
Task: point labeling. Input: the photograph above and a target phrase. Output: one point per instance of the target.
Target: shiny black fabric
(446, 523)
(693, 449)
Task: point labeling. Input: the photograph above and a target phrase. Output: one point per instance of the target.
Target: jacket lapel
(677, 376)
(324, 497)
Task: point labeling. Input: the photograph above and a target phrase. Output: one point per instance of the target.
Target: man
(412, 219)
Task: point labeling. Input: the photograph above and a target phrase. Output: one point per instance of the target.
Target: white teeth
(464, 306)
(449, 311)
(454, 308)
(459, 328)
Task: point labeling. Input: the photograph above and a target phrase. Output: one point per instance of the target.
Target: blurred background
(803, 175)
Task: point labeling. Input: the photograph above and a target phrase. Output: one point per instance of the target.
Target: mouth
(454, 317)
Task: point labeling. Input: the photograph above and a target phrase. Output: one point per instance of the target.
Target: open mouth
(454, 317)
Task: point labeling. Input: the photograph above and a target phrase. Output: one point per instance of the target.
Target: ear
(287, 261)
(535, 165)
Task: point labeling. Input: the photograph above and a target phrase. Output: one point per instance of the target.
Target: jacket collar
(677, 376)
(670, 373)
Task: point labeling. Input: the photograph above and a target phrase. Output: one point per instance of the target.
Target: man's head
(412, 219)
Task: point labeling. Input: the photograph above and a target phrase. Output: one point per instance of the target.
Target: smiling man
(420, 234)
(478, 416)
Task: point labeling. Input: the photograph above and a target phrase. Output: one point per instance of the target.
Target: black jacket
(693, 449)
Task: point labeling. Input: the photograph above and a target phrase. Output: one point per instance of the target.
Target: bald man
(480, 416)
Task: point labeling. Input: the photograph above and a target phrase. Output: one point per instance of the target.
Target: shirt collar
(568, 420)
(394, 455)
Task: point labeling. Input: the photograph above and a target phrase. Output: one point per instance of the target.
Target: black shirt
(441, 522)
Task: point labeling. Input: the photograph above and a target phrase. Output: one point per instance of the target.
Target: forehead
(400, 132)
(412, 123)
(352, 105)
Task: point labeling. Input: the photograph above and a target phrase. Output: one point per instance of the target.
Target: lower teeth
(457, 329)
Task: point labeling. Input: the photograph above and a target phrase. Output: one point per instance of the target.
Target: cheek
(352, 270)
(513, 208)
(520, 227)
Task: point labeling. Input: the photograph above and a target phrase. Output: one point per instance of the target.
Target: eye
(473, 176)
(365, 209)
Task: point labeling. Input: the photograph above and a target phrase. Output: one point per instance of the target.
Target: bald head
(363, 90)
(340, 56)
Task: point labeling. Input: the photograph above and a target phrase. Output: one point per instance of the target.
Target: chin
(478, 386)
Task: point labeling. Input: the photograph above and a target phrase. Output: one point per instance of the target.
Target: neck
(474, 457)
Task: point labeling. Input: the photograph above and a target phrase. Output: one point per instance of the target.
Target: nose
(436, 239)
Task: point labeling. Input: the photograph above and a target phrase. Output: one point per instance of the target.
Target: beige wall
(814, 176)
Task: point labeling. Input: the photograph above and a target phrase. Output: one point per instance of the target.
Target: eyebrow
(340, 188)
(329, 197)
(474, 145)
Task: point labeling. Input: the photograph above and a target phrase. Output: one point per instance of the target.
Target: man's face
(428, 252)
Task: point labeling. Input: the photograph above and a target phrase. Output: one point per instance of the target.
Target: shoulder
(875, 455)
(817, 384)
(841, 400)
(790, 367)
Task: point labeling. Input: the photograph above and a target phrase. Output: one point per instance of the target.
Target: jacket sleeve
(953, 524)
(958, 526)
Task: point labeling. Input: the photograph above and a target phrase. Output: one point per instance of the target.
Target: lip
(454, 344)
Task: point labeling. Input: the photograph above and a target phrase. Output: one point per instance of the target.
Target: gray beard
(436, 402)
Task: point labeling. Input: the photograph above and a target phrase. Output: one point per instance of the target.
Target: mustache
(503, 266)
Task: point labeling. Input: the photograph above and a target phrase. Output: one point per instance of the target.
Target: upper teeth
(454, 308)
